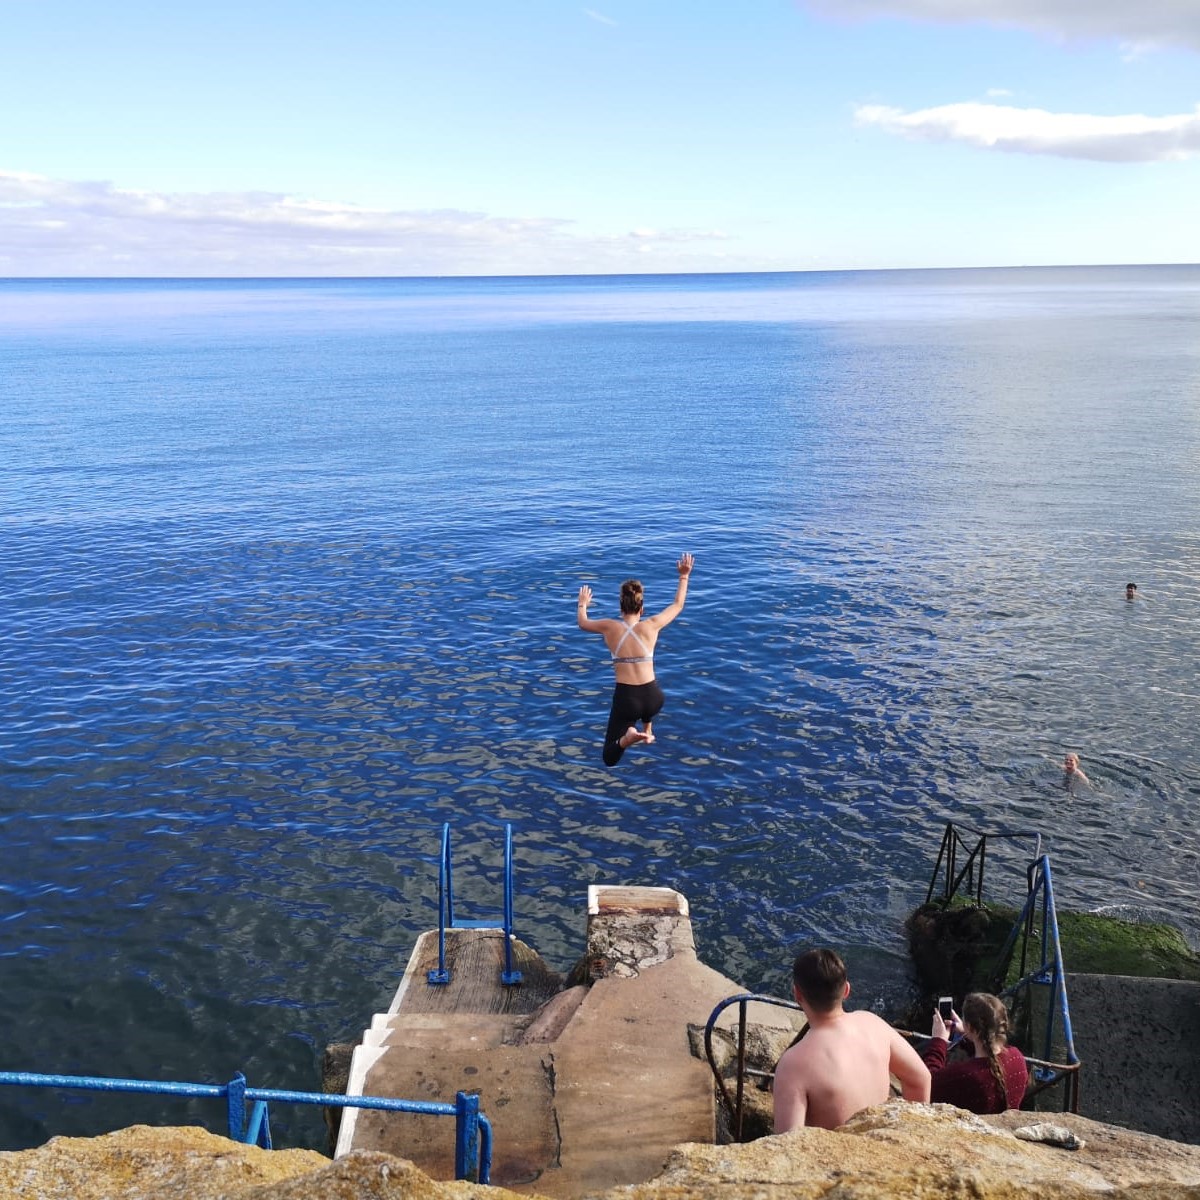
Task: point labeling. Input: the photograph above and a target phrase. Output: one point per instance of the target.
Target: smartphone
(945, 1007)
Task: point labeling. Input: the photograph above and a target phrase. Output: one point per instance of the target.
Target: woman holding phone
(994, 1078)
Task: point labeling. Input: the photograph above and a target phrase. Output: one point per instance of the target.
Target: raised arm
(905, 1063)
(668, 614)
(585, 622)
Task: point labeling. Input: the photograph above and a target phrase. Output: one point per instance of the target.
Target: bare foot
(649, 734)
(632, 736)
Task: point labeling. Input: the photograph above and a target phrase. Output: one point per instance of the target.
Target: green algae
(956, 947)
(1093, 944)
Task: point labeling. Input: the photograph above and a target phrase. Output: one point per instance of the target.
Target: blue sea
(289, 575)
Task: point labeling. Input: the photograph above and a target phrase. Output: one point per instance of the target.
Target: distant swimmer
(637, 696)
(1071, 772)
(1131, 591)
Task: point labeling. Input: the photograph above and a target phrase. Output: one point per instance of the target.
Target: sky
(511, 137)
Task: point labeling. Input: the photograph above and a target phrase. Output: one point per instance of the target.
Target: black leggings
(631, 702)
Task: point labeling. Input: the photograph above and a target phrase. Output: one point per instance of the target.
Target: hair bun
(631, 596)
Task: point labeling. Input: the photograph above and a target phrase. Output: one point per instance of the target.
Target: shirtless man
(843, 1062)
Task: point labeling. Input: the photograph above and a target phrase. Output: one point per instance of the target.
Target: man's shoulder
(794, 1053)
(863, 1016)
(869, 1026)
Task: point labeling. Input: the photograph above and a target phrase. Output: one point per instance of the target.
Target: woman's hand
(684, 565)
(585, 596)
(943, 1029)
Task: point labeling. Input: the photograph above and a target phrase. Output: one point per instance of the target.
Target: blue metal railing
(446, 917)
(473, 1131)
(970, 875)
(735, 1107)
(1048, 973)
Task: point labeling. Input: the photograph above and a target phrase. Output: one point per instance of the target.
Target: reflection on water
(290, 582)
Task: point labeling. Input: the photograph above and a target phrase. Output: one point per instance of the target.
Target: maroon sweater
(969, 1084)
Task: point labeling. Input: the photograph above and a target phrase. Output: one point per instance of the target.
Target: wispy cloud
(591, 12)
(1140, 23)
(1134, 138)
(63, 227)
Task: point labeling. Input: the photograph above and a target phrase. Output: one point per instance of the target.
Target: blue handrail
(445, 906)
(508, 976)
(1050, 971)
(735, 1107)
(473, 1131)
(446, 919)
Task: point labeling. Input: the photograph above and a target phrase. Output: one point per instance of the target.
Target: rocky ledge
(898, 1150)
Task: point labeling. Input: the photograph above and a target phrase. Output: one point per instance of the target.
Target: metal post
(466, 1136)
(951, 859)
(1060, 981)
(741, 1067)
(937, 866)
(235, 1092)
(441, 975)
(258, 1133)
(449, 858)
(485, 1149)
(508, 976)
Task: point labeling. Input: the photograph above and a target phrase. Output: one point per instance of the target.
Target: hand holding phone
(942, 1018)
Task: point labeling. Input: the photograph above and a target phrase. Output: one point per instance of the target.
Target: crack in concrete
(552, 1083)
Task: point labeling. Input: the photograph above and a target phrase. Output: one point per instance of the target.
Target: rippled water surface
(289, 572)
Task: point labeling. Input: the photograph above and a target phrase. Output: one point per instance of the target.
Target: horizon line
(590, 274)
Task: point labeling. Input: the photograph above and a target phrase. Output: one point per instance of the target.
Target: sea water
(289, 578)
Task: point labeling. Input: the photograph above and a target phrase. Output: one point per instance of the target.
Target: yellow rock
(897, 1151)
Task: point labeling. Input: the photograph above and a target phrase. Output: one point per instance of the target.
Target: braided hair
(987, 1017)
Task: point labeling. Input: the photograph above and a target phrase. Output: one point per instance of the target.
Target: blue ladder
(446, 920)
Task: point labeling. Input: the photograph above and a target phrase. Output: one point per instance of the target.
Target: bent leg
(618, 726)
(652, 704)
(631, 703)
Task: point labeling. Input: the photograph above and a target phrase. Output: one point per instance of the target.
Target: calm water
(289, 572)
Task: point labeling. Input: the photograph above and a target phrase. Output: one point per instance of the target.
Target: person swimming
(637, 696)
(1071, 772)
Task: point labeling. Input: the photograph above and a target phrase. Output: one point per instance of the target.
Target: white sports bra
(645, 656)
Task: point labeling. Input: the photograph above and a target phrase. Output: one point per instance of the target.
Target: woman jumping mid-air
(631, 642)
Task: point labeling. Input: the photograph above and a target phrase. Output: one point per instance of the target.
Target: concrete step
(587, 1088)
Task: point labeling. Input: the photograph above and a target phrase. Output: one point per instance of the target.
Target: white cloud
(600, 17)
(1141, 23)
(63, 227)
(1134, 138)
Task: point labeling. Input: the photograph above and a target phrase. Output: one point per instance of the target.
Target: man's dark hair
(820, 977)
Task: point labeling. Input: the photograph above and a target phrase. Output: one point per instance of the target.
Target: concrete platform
(1139, 1042)
(587, 1087)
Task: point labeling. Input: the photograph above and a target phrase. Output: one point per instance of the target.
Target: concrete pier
(587, 1086)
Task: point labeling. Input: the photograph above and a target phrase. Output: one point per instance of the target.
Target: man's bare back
(841, 1066)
